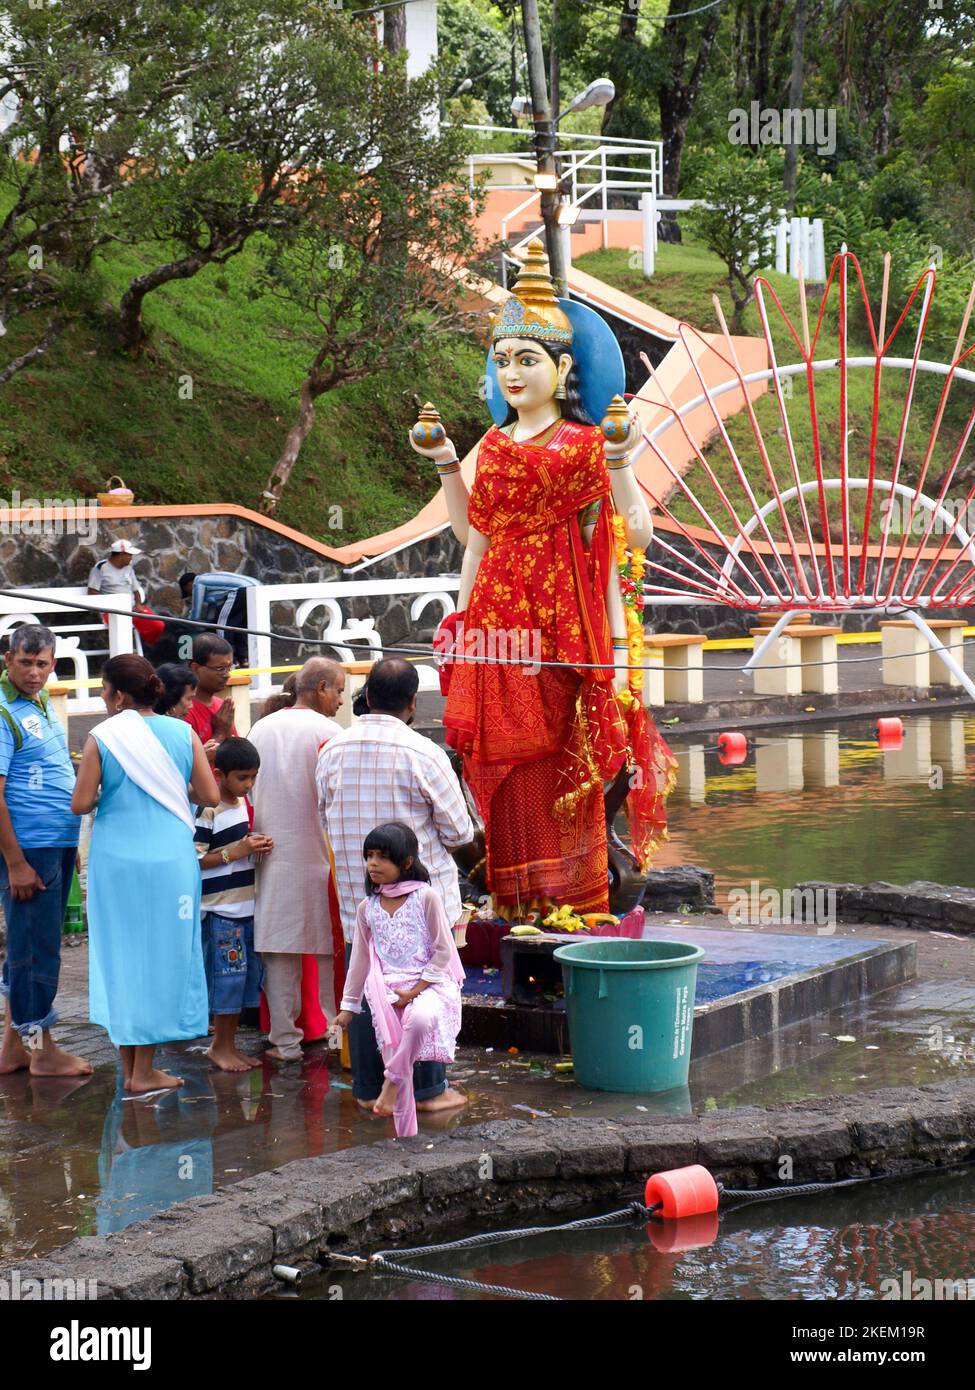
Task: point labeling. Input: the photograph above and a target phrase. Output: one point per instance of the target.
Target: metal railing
(593, 168)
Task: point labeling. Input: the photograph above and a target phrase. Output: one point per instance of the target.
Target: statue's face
(527, 375)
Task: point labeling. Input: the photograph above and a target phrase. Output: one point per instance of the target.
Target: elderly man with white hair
(292, 918)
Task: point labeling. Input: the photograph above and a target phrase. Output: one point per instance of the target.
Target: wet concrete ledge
(223, 1246)
(921, 905)
(751, 1013)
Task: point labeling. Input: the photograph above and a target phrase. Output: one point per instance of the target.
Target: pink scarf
(388, 1021)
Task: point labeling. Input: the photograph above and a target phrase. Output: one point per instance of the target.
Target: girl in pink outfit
(405, 962)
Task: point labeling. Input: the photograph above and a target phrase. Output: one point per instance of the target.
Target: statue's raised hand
(437, 453)
(429, 438)
(622, 429)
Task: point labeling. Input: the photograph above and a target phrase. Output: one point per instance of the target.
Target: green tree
(379, 261)
(477, 45)
(741, 196)
(93, 86)
(273, 109)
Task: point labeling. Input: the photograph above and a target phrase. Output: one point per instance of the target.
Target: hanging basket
(120, 496)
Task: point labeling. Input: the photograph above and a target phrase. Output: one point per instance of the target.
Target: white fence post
(781, 245)
(795, 247)
(648, 209)
(121, 635)
(819, 252)
(602, 175)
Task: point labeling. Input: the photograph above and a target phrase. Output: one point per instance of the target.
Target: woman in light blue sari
(146, 978)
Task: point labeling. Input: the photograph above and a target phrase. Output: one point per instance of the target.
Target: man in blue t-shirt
(39, 845)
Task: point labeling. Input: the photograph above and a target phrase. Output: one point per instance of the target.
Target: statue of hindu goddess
(543, 711)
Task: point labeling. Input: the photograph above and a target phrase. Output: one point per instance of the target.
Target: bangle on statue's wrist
(623, 462)
(448, 466)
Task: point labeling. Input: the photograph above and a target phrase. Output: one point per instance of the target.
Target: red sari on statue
(539, 742)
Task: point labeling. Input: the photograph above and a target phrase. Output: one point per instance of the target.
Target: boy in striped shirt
(226, 849)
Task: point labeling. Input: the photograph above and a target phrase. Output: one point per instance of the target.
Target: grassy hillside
(89, 411)
(685, 280)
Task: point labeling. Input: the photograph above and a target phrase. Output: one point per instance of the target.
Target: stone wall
(171, 545)
(922, 906)
(225, 1245)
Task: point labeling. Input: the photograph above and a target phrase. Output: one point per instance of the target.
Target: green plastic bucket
(630, 1007)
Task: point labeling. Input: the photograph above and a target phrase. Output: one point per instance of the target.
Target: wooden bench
(355, 678)
(238, 690)
(795, 645)
(58, 697)
(907, 655)
(769, 619)
(677, 674)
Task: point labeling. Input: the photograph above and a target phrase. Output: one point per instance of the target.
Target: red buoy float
(682, 1192)
(732, 749)
(890, 732)
(670, 1237)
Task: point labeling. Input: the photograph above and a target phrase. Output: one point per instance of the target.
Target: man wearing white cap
(115, 575)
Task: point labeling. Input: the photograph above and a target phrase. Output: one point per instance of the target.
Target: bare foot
(228, 1059)
(152, 1081)
(277, 1056)
(51, 1061)
(13, 1056)
(450, 1100)
(385, 1105)
(365, 1104)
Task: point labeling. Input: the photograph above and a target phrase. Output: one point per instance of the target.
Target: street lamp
(599, 93)
(547, 178)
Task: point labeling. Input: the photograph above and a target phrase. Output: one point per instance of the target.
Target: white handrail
(602, 186)
(570, 135)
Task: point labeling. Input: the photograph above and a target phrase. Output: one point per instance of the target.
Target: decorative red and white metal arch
(777, 540)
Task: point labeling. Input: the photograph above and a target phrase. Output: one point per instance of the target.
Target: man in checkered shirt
(382, 770)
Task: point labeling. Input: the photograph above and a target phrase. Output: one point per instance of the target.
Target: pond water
(828, 803)
(836, 1245)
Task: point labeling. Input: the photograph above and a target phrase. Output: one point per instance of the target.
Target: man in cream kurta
(292, 917)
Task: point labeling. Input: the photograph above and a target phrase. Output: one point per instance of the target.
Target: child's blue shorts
(233, 968)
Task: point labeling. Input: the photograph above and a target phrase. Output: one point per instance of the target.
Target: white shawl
(144, 759)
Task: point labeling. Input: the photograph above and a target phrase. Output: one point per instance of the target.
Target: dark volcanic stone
(668, 890)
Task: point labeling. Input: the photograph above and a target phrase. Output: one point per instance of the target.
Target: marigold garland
(631, 565)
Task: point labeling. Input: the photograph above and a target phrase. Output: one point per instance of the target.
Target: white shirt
(292, 913)
(107, 578)
(382, 770)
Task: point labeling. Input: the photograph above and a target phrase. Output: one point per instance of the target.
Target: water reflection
(829, 802)
(155, 1154)
(838, 1245)
(80, 1157)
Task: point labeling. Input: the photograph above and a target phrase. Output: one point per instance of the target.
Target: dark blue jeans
(33, 960)
(368, 1072)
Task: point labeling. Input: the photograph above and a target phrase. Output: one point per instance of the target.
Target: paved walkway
(80, 1158)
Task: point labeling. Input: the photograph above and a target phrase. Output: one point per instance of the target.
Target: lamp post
(598, 93)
